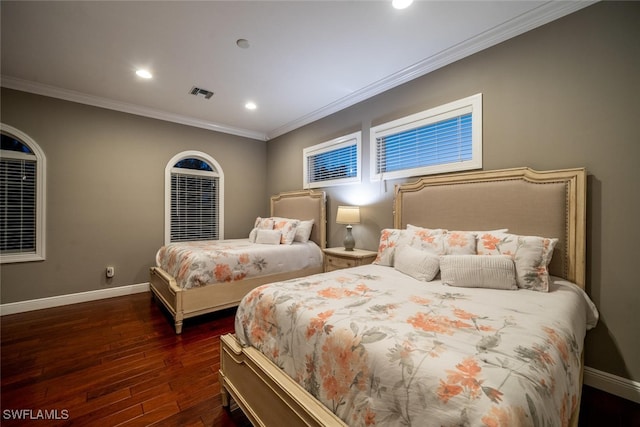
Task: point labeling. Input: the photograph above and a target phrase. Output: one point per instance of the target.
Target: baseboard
(613, 384)
(38, 304)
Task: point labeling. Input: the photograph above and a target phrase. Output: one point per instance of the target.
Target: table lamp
(348, 215)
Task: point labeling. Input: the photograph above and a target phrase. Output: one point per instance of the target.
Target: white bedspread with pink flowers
(379, 348)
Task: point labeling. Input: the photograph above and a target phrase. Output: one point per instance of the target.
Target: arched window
(194, 198)
(22, 197)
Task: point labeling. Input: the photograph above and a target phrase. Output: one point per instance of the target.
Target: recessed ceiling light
(401, 4)
(250, 105)
(145, 74)
(242, 43)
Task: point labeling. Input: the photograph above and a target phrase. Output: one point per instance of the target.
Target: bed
(383, 345)
(224, 285)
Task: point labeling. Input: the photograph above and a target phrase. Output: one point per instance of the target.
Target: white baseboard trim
(38, 304)
(621, 387)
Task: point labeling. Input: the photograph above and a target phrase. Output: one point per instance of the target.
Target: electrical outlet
(111, 272)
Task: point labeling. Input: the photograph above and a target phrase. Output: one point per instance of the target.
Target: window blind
(334, 164)
(18, 204)
(194, 206)
(447, 141)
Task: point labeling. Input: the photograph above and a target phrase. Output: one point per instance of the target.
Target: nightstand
(337, 258)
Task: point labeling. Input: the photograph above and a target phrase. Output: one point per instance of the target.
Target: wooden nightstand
(337, 258)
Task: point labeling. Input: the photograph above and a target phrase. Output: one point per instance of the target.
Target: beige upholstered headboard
(304, 205)
(527, 202)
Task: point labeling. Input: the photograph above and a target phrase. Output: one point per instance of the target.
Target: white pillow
(303, 231)
(268, 237)
(418, 264)
(253, 234)
(478, 271)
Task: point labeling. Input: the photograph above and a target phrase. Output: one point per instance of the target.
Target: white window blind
(443, 139)
(194, 205)
(17, 203)
(22, 197)
(194, 198)
(332, 162)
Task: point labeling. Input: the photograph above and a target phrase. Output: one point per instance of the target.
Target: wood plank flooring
(118, 362)
(113, 362)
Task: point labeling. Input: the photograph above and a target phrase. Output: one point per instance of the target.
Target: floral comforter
(199, 263)
(380, 348)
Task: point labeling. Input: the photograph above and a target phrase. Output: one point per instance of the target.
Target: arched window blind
(195, 200)
(21, 198)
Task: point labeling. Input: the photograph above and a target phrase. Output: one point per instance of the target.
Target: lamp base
(349, 242)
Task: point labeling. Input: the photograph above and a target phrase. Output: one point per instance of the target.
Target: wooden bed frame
(527, 202)
(186, 303)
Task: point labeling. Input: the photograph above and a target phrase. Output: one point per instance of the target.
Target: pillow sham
(388, 241)
(253, 234)
(458, 243)
(268, 237)
(303, 231)
(427, 239)
(288, 229)
(263, 223)
(531, 255)
(478, 271)
(418, 264)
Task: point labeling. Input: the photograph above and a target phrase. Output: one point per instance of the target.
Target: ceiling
(305, 59)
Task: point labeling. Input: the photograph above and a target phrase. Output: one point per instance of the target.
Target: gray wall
(563, 95)
(105, 191)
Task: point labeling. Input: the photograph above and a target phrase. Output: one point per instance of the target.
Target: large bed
(492, 336)
(231, 268)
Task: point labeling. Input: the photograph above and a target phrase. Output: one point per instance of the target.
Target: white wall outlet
(111, 272)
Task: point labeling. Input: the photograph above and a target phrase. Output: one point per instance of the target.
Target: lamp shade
(348, 215)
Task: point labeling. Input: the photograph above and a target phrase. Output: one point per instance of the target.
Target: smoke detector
(199, 91)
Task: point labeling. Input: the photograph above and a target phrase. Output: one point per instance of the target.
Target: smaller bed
(241, 264)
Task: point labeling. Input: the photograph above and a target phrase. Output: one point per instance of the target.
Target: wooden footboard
(185, 303)
(264, 392)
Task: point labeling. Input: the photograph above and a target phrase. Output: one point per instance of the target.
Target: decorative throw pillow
(388, 241)
(268, 237)
(303, 231)
(418, 264)
(288, 229)
(458, 243)
(426, 239)
(264, 223)
(531, 255)
(478, 271)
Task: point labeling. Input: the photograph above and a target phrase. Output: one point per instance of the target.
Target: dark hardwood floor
(118, 362)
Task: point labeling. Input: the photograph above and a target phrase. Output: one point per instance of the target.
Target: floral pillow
(531, 254)
(264, 223)
(288, 229)
(458, 243)
(426, 239)
(388, 242)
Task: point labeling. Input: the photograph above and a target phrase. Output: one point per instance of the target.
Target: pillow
(531, 255)
(458, 243)
(418, 264)
(263, 223)
(268, 237)
(303, 231)
(388, 241)
(418, 237)
(288, 229)
(253, 234)
(428, 239)
(478, 271)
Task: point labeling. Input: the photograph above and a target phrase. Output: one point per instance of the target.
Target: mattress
(200, 263)
(378, 347)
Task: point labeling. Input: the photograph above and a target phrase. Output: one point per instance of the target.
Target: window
(333, 162)
(22, 198)
(443, 139)
(194, 197)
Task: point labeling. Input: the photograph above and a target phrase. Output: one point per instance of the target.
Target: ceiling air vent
(199, 91)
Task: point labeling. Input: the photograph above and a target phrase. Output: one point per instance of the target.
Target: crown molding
(534, 18)
(96, 101)
(539, 16)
